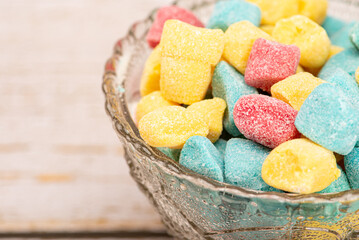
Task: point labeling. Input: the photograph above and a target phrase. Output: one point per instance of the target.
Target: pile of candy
(265, 97)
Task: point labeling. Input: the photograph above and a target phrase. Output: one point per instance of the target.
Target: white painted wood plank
(61, 165)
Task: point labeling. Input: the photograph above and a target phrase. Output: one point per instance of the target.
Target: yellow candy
(312, 39)
(295, 89)
(150, 80)
(314, 9)
(212, 110)
(150, 103)
(171, 127)
(184, 81)
(239, 39)
(267, 28)
(334, 50)
(188, 55)
(300, 166)
(182, 40)
(357, 75)
(274, 10)
(299, 69)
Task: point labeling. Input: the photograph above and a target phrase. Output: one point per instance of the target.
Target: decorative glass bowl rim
(113, 86)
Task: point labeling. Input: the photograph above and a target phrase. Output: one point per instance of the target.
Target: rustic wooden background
(61, 165)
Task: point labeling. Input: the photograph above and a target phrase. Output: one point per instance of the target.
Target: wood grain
(61, 165)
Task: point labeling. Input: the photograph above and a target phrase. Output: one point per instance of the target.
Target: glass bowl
(195, 207)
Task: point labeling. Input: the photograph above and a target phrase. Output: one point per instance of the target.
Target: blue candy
(228, 12)
(348, 60)
(354, 35)
(346, 83)
(351, 163)
(171, 153)
(243, 164)
(328, 118)
(332, 25)
(201, 156)
(229, 85)
(341, 38)
(339, 185)
(221, 146)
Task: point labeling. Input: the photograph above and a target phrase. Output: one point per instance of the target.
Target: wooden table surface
(61, 164)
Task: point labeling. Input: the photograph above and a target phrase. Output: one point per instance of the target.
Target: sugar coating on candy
(265, 120)
(339, 185)
(341, 38)
(347, 84)
(226, 13)
(212, 111)
(181, 40)
(267, 28)
(239, 39)
(314, 9)
(347, 60)
(184, 81)
(243, 164)
(221, 145)
(328, 118)
(150, 103)
(332, 25)
(274, 10)
(229, 85)
(300, 166)
(150, 80)
(201, 156)
(312, 40)
(171, 127)
(295, 89)
(351, 163)
(171, 153)
(354, 35)
(165, 13)
(270, 62)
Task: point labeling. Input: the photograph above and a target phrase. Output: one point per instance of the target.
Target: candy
(339, 185)
(171, 153)
(171, 127)
(327, 117)
(150, 80)
(274, 10)
(199, 155)
(221, 146)
(348, 60)
(267, 28)
(295, 89)
(265, 120)
(270, 62)
(150, 103)
(314, 9)
(188, 54)
(354, 35)
(212, 111)
(312, 40)
(332, 25)
(229, 85)
(299, 69)
(357, 75)
(184, 81)
(341, 38)
(228, 12)
(243, 164)
(239, 39)
(165, 13)
(300, 166)
(346, 83)
(334, 50)
(351, 163)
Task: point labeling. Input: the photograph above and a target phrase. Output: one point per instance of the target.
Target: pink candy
(270, 62)
(265, 120)
(166, 13)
